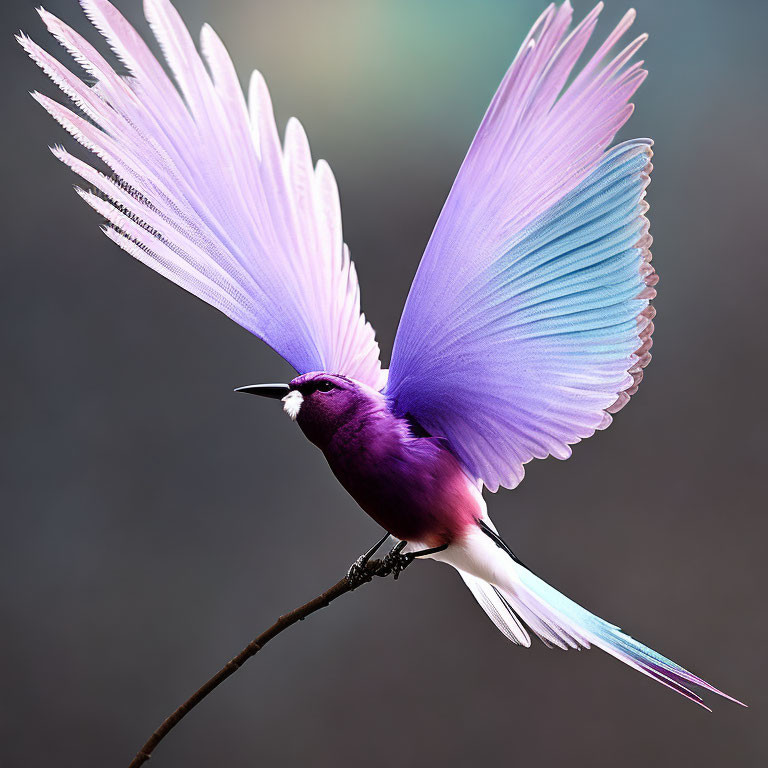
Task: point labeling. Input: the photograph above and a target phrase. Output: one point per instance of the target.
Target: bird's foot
(358, 572)
(397, 561)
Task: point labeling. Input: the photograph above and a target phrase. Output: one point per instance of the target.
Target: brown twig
(371, 569)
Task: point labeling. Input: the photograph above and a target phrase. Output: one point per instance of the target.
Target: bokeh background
(153, 521)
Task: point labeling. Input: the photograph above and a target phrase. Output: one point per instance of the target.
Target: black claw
(393, 564)
(396, 562)
(358, 573)
(400, 564)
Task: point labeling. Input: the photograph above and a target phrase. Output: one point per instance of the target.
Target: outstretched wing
(528, 321)
(201, 190)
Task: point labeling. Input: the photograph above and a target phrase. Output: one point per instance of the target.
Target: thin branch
(371, 569)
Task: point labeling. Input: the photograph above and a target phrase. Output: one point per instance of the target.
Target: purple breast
(412, 487)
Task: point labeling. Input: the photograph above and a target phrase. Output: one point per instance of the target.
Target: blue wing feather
(547, 338)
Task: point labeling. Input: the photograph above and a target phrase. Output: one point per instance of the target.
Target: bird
(528, 324)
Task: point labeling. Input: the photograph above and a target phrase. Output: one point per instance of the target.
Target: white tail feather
(508, 592)
(498, 609)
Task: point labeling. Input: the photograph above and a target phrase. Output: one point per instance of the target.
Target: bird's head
(320, 402)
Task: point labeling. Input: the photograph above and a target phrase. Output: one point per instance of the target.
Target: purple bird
(528, 323)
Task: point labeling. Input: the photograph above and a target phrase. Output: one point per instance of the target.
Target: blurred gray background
(153, 522)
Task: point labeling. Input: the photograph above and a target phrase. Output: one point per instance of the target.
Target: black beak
(275, 391)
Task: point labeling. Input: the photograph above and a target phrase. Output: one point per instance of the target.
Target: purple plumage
(528, 323)
(413, 487)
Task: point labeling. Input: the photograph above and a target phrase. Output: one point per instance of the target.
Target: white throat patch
(292, 403)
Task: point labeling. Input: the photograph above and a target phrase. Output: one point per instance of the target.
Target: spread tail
(511, 594)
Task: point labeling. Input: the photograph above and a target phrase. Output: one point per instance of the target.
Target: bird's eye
(324, 386)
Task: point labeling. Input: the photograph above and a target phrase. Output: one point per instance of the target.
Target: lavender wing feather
(201, 190)
(528, 321)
